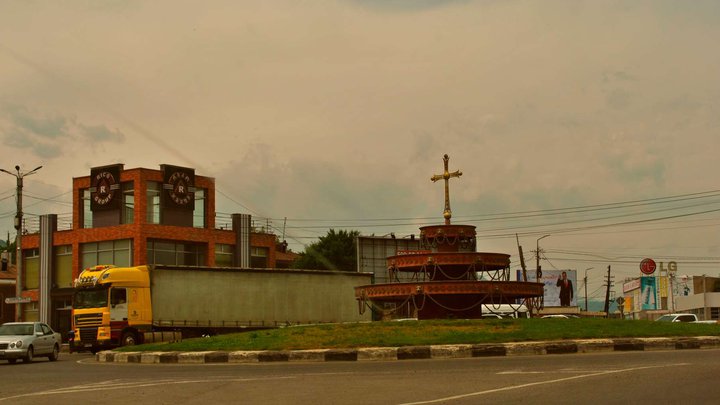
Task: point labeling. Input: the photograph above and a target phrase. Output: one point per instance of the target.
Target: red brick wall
(140, 231)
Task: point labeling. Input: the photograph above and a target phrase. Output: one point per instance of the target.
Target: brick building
(134, 217)
(8, 275)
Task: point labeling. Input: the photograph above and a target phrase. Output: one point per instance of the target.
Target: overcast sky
(337, 113)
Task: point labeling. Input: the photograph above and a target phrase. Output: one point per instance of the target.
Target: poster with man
(560, 287)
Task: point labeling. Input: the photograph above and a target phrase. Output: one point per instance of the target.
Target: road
(680, 376)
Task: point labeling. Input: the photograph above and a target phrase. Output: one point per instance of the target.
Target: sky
(593, 122)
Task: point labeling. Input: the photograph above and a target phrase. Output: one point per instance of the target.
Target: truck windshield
(90, 298)
(666, 318)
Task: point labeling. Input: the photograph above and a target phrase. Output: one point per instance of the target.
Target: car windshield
(16, 329)
(90, 298)
(666, 318)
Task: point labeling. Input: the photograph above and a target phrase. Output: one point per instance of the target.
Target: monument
(447, 278)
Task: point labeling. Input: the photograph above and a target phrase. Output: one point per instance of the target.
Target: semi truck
(121, 306)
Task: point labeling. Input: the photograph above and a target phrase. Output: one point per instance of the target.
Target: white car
(25, 340)
(559, 316)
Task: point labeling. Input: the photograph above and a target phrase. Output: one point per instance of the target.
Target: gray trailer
(209, 300)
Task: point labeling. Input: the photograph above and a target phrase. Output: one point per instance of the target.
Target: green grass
(431, 332)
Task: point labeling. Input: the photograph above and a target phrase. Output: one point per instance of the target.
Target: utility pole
(522, 259)
(537, 262)
(607, 295)
(18, 241)
(585, 282)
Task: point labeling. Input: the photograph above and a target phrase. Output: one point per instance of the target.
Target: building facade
(650, 297)
(134, 217)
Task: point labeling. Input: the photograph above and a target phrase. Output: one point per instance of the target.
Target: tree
(334, 251)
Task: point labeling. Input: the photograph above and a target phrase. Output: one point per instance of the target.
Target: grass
(431, 332)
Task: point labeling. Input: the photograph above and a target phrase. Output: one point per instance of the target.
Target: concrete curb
(415, 352)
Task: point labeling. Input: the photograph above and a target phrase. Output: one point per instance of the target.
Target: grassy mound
(432, 332)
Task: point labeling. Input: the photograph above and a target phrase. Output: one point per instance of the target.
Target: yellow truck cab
(111, 307)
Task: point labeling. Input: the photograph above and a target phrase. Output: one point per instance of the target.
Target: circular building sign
(648, 266)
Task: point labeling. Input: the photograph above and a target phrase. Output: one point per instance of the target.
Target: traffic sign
(648, 266)
(17, 300)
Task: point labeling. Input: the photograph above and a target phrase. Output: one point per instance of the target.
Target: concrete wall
(695, 301)
(252, 295)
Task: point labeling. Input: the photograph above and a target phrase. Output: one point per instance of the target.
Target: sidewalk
(415, 352)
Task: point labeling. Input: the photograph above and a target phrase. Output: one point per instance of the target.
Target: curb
(415, 352)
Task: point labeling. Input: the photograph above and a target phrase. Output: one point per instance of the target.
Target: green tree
(334, 251)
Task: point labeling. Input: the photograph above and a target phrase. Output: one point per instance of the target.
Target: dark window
(199, 212)
(176, 253)
(128, 196)
(153, 202)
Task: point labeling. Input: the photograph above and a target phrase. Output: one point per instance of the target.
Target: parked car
(690, 318)
(560, 316)
(25, 340)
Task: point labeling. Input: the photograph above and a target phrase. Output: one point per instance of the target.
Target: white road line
(88, 388)
(514, 387)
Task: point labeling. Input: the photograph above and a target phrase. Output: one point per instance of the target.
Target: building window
(176, 253)
(258, 257)
(223, 255)
(115, 252)
(715, 313)
(199, 212)
(153, 202)
(62, 277)
(31, 267)
(128, 202)
(86, 219)
(30, 312)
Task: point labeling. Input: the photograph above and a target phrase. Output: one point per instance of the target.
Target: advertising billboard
(648, 293)
(682, 286)
(560, 287)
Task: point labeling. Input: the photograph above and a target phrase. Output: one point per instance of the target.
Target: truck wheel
(55, 353)
(128, 339)
(29, 355)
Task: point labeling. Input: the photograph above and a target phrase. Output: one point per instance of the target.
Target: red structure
(448, 278)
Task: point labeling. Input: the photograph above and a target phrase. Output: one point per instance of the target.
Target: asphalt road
(679, 376)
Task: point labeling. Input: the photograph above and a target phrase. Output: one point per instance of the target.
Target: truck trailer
(121, 306)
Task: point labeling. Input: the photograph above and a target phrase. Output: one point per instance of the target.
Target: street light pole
(586, 301)
(18, 241)
(537, 252)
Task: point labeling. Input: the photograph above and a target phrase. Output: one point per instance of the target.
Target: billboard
(682, 286)
(559, 290)
(648, 293)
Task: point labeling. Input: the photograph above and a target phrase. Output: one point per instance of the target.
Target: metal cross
(447, 214)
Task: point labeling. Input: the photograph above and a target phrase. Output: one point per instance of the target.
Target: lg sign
(648, 266)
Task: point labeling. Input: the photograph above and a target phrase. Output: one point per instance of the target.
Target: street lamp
(537, 252)
(18, 226)
(585, 279)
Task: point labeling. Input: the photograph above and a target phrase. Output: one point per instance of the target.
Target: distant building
(649, 297)
(704, 301)
(8, 275)
(134, 217)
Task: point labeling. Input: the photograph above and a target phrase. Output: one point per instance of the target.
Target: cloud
(101, 133)
(406, 5)
(49, 135)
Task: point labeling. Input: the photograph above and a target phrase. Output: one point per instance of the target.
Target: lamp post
(537, 252)
(585, 282)
(18, 226)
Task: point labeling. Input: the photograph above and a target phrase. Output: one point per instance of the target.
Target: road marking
(121, 385)
(514, 387)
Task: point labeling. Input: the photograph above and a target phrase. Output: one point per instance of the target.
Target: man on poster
(566, 290)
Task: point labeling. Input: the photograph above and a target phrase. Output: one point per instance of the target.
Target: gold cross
(447, 214)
